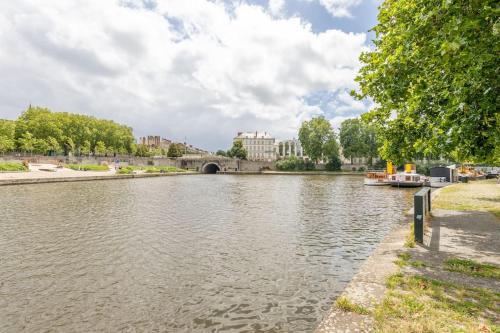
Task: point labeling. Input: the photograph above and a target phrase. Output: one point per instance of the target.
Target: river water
(200, 253)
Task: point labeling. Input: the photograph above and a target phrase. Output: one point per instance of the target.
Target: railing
(421, 210)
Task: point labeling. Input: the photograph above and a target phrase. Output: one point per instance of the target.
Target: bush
(87, 167)
(361, 168)
(294, 164)
(333, 164)
(163, 169)
(13, 167)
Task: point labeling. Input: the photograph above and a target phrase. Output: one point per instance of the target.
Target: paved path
(459, 234)
(36, 172)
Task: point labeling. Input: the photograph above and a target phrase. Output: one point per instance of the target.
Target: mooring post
(422, 206)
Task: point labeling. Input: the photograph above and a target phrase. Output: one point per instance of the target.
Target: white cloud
(276, 6)
(339, 8)
(184, 68)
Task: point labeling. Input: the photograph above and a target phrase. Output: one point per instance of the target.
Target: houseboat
(379, 177)
(376, 178)
(408, 178)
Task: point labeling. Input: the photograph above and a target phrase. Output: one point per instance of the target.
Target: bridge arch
(211, 167)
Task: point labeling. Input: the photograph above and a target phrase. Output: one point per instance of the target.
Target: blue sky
(201, 69)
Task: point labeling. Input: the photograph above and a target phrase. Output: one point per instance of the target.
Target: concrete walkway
(459, 234)
(38, 174)
(471, 235)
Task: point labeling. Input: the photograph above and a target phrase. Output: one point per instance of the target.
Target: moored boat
(408, 178)
(376, 178)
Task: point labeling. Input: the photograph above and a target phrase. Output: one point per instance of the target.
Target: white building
(259, 146)
(288, 148)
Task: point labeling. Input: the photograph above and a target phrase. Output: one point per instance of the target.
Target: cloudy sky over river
(201, 69)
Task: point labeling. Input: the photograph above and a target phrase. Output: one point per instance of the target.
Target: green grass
(128, 170)
(344, 304)
(418, 304)
(482, 195)
(410, 237)
(149, 169)
(163, 169)
(13, 167)
(87, 167)
(472, 268)
(404, 260)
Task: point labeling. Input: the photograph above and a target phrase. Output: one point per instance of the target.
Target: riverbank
(450, 283)
(294, 173)
(47, 173)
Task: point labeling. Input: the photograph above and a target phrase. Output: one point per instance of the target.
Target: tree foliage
(434, 78)
(7, 128)
(175, 150)
(358, 139)
(42, 131)
(221, 152)
(318, 139)
(237, 150)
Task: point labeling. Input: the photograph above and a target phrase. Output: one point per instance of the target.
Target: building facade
(288, 148)
(154, 141)
(259, 146)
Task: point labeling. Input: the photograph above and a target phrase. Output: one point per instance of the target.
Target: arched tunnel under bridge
(210, 168)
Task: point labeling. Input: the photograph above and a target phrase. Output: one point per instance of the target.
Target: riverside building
(288, 148)
(259, 146)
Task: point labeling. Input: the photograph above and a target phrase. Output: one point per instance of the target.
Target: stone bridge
(209, 164)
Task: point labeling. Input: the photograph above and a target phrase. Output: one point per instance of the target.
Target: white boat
(404, 179)
(408, 178)
(376, 178)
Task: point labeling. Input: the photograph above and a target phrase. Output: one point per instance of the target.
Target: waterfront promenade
(451, 282)
(39, 174)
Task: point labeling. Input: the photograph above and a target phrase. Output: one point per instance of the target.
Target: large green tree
(175, 150)
(237, 150)
(318, 139)
(352, 138)
(433, 75)
(7, 128)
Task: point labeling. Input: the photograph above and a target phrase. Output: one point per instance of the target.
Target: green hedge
(13, 167)
(149, 169)
(294, 164)
(164, 169)
(87, 167)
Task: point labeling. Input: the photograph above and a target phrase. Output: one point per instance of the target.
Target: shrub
(163, 169)
(333, 164)
(87, 167)
(294, 164)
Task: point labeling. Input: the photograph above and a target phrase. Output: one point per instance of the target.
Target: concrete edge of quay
(368, 286)
(26, 181)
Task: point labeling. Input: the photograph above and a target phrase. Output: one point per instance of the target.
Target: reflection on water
(186, 254)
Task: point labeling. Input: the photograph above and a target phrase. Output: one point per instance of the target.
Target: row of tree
(38, 130)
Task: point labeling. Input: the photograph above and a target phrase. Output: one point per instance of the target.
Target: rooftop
(253, 135)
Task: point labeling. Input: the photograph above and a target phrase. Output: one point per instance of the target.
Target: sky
(200, 69)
